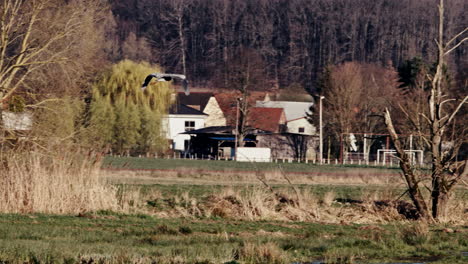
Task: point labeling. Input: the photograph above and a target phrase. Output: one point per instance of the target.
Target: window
(301, 130)
(189, 125)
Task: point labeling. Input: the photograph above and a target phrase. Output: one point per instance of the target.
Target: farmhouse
(206, 103)
(180, 119)
(296, 115)
(267, 127)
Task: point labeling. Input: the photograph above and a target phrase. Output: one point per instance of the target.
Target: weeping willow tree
(123, 118)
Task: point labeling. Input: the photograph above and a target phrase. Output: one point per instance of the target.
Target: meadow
(189, 211)
(120, 238)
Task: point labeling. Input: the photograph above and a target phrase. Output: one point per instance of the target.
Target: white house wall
(215, 114)
(294, 125)
(175, 124)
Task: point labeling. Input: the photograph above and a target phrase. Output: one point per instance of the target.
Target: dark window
(301, 130)
(189, 125)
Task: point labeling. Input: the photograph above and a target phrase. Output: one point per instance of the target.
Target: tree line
(295, 38)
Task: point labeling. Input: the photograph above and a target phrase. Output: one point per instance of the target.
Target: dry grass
(262, 253)
(415, 234)
(256, 203)
(259, 203)
(230, 176)
(60, 182)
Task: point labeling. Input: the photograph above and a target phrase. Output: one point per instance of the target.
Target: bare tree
(174, 21)
(43, 39)
(355, 93)
(245, 73)
(446, 171)
(136, 49)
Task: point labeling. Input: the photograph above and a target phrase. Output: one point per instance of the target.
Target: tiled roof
(267, 119)
(197, 100)
(227, 103)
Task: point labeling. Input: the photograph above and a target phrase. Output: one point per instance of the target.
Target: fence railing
(388, 162)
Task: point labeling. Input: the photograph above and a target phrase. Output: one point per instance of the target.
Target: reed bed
(55, 182)
(257, 203)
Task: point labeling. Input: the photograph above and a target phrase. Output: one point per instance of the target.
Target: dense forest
(294, 39)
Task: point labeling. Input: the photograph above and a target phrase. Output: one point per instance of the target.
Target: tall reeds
(58, 182)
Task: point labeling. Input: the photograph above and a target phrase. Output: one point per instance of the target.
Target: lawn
(222, 165)
(115, 238)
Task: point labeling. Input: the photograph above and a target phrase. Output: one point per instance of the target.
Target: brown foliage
(355, 94)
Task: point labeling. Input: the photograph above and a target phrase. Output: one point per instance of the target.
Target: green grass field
(221, 165)
(114, 238)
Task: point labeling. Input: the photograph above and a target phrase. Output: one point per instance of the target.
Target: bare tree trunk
(180, 23)
(443, 177)
(408, 173)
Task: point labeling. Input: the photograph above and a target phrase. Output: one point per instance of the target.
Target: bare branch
(455, 111)
(425, 117)
(446, 101)
(456, 46)
(460, 176)
(456, 36)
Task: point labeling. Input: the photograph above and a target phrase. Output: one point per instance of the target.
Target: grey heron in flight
(166, 77)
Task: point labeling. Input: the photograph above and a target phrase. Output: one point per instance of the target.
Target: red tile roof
(268, 119)
(227, 103)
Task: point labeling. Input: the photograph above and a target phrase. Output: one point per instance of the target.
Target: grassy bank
(113, 238)
(222, 165)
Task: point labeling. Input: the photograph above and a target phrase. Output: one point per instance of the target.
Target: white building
(296, 115)
(205, 102)
(182, 118)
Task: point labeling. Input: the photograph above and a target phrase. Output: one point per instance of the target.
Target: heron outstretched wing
(147, 81)
(165, 77)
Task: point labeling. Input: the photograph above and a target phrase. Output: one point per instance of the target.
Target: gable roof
(267, 119)
(181, 109)
(292, 110)
(196, 100)
(227, 103)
